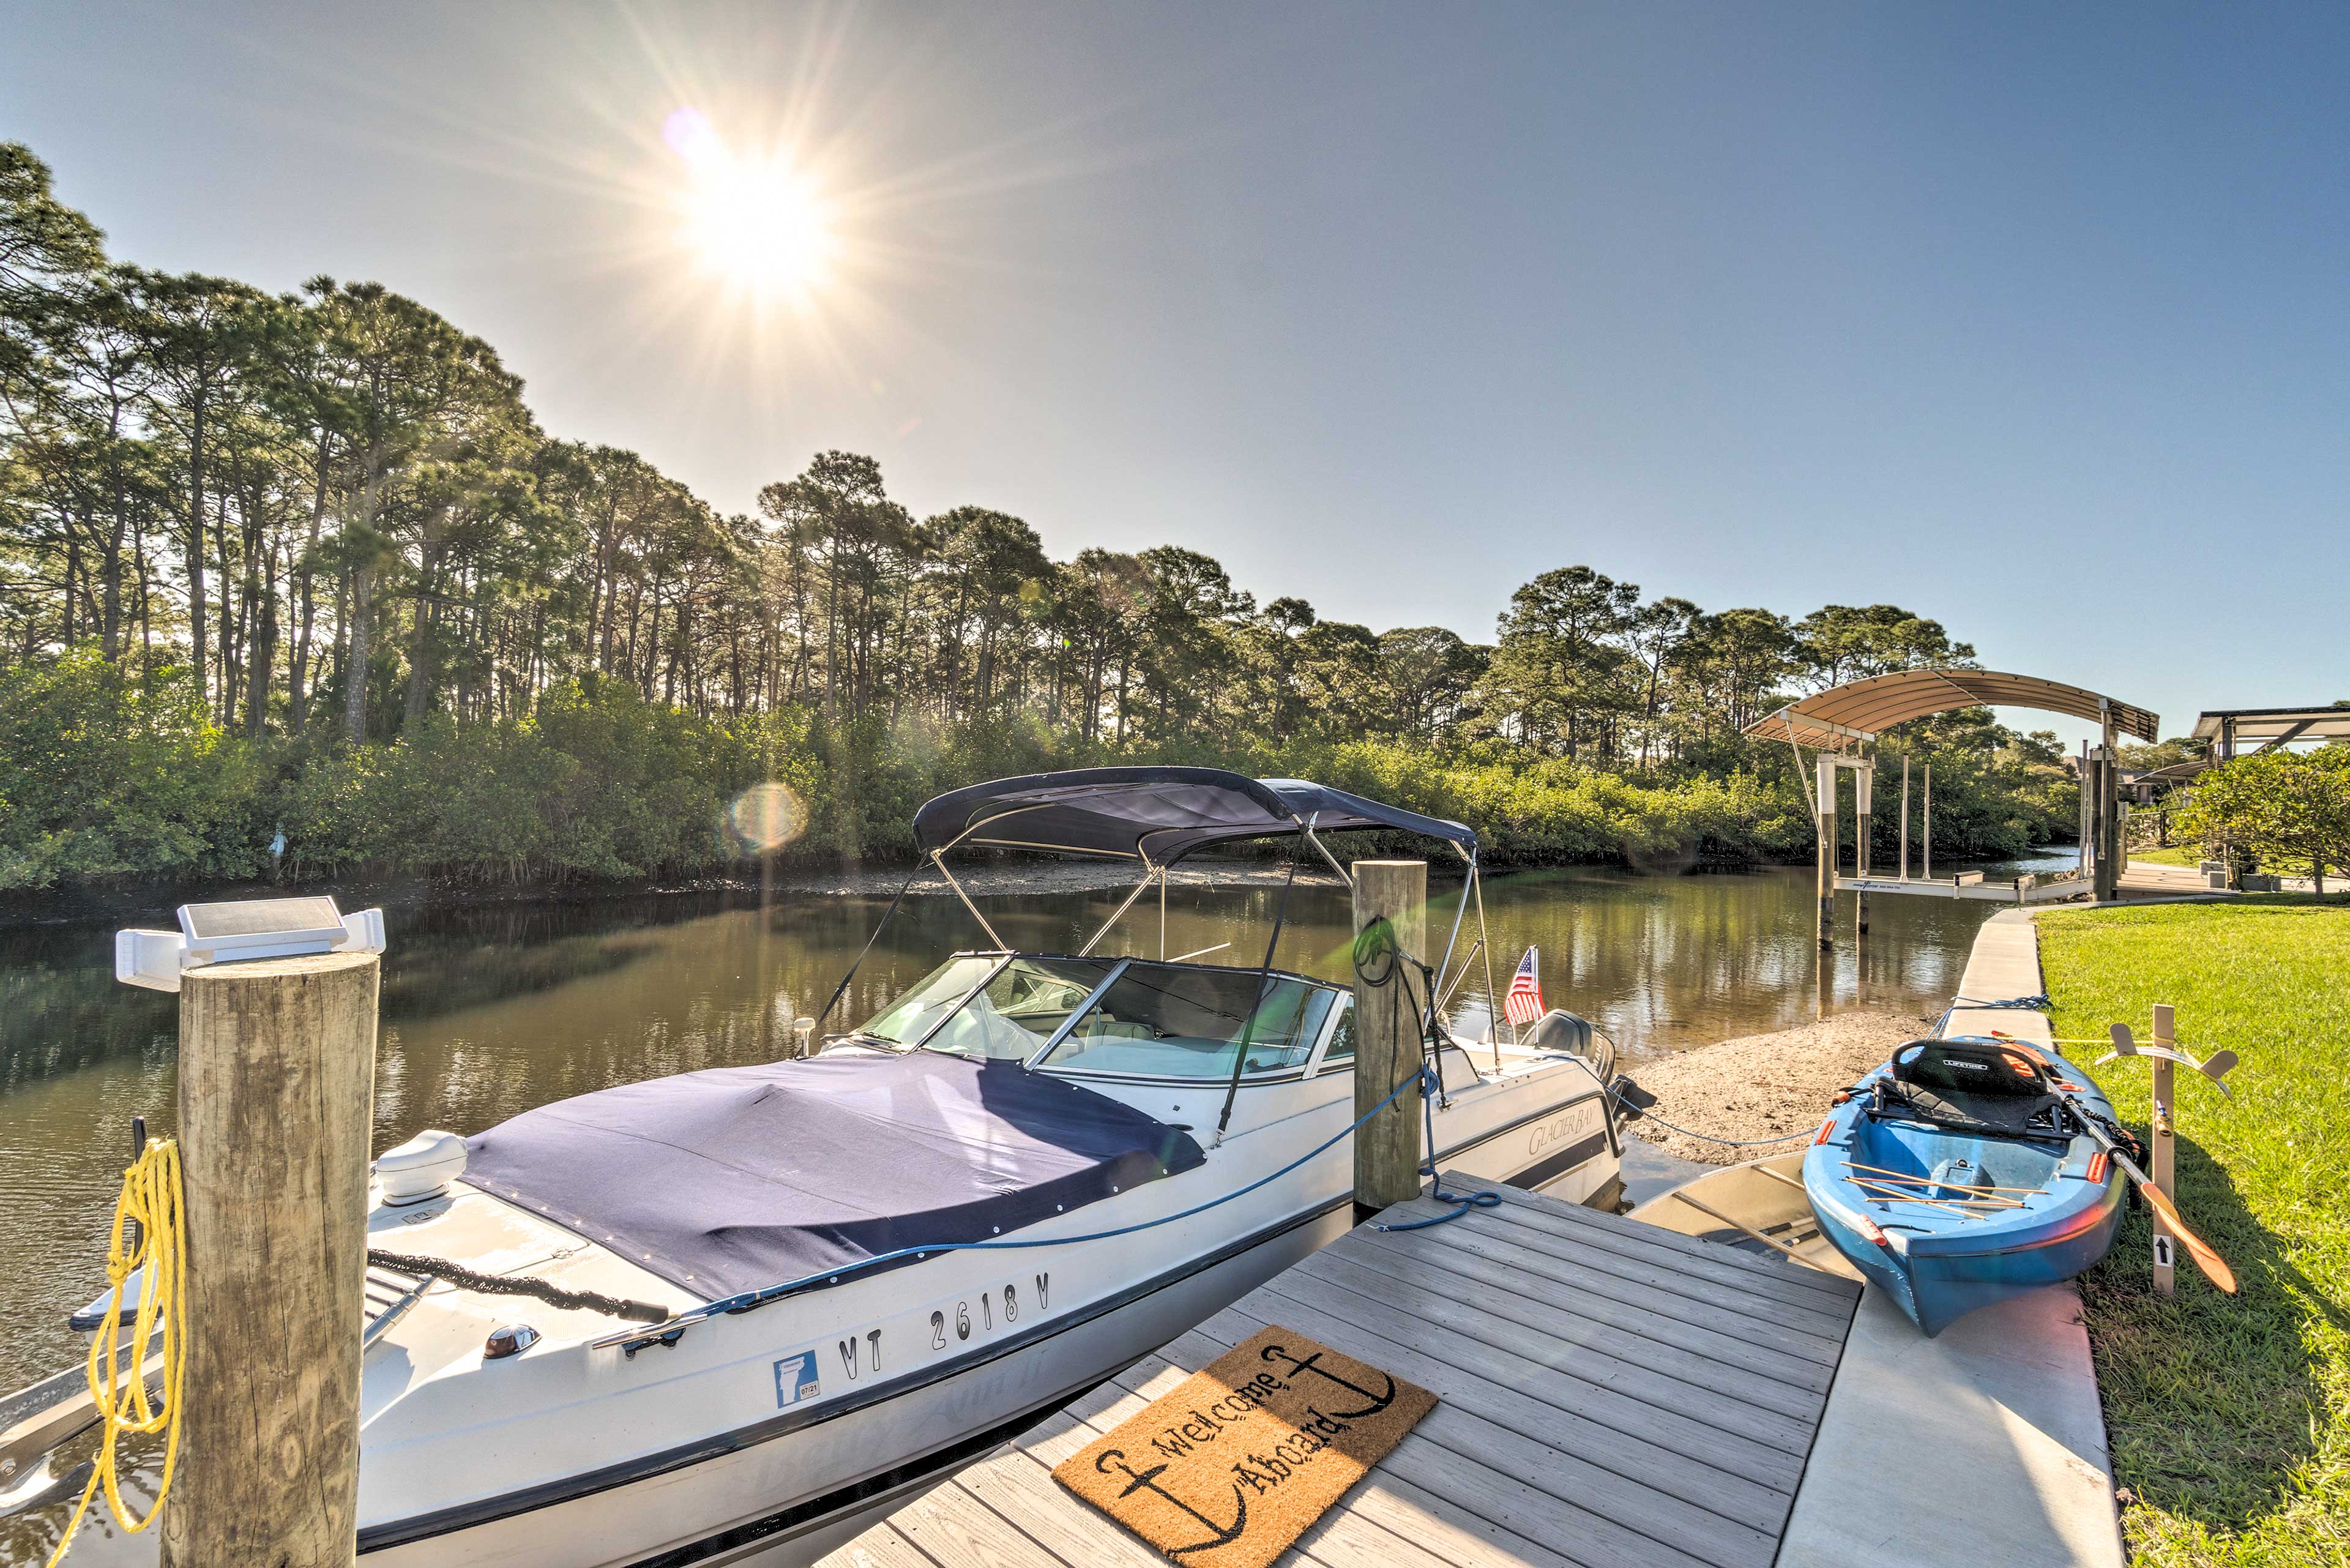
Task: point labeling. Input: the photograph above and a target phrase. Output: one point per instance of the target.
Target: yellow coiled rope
(151, 1198)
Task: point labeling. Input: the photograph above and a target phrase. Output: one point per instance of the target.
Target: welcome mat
(1232, 1467)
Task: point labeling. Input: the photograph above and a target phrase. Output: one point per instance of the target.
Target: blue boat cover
(740, 1178)
(1160, 813)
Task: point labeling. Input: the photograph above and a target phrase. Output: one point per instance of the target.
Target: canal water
(491, 1008)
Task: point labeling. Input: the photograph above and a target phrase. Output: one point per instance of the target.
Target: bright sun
(756, 222)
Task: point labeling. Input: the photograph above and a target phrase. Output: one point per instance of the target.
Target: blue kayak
(1959, 1174)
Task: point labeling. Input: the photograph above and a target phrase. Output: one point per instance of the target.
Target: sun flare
(754, 221)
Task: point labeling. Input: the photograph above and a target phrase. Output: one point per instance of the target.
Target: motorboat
(788, 1296)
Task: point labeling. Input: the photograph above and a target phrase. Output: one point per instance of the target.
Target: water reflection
(489, 1011)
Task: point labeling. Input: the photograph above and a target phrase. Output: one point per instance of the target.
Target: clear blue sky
(2034, 319)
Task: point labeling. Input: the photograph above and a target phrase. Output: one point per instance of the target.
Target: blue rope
(1461, 1201)
(2038, 1002)
(750, 1300)
(1466, 1200)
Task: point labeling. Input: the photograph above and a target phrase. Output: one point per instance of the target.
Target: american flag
(1524, 1002)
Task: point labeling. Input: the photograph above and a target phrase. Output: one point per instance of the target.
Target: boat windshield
(1008, 1016)
(1167, 1021)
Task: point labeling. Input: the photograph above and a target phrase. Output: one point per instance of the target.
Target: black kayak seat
(1977, 1086)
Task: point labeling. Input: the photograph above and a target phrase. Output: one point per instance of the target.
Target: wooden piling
(1825, 804)
(1863, 830)
(1926, 827)
(1387, 1033)
(1904, 819)
(2109, 838)
(276, 1097)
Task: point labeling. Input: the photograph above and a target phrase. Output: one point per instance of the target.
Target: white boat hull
(706, 1452)
(790, 1498)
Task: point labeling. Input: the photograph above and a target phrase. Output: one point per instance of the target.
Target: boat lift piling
(1387, 1038)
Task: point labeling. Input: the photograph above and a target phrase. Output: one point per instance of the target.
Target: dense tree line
(318, 539)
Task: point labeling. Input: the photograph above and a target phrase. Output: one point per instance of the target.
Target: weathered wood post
(1387, 1033)
(1926, 823)
(1905, 818)
(276, 1097)
(2109, 852)
(1826, 806)
(2164, 1155)
(1863, 830)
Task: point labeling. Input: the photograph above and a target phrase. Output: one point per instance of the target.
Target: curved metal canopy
(1858, 710)
(1158, 815)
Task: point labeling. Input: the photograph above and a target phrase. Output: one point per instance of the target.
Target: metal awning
(2228, 727)
(1858, 710)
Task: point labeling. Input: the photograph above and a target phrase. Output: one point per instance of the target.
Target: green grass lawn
(2229, 1418)
(2177, 855)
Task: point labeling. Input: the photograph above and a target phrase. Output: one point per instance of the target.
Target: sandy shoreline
(1760, 1085)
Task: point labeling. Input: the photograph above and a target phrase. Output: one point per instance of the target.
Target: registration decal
(795, 1379)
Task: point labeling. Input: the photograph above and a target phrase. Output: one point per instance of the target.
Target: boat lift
(1842, 726)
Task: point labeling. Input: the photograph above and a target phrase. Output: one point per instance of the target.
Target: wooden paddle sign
(2161, 1190)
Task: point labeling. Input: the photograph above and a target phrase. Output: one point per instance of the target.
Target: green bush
(102, 778)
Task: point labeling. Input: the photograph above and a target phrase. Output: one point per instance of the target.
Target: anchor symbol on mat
(1378, 1402)
(1147, 1480)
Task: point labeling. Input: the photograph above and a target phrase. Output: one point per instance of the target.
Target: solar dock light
(249, 929)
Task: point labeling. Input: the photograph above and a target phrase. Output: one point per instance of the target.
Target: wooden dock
(1612, 1395)
(2024, 890)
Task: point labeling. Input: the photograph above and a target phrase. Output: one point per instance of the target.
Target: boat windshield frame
(1118, 967)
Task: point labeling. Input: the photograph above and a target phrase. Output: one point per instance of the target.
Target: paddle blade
(2215, 1268)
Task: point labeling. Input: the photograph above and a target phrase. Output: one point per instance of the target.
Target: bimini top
(1854, 712)
(1155, 815)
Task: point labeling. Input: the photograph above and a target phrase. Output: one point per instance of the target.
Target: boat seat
(1993, 1089)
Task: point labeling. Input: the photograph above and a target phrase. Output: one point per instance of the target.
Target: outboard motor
(1572, 1034)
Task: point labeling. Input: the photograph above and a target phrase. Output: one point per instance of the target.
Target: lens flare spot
(766, 816)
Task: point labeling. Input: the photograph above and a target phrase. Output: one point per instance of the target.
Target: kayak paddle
(2215, 1268)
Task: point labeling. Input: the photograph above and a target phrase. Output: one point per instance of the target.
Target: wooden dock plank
(1696, 1510)
(1660, 1374)
(1599, 1388)
(1016, 1485)
(1589, 1539)
(880, 1547)
(1516, 1395)
(1344, 1538)
(1706, 1362)
(1660, 1316)
(1772, 1276)
(957, 1530)
(1479, 1510)
(1610, 1395)
(1589, 1247)
(1711, 1307)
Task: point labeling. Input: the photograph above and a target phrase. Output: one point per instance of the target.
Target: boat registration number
(943, 1326)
